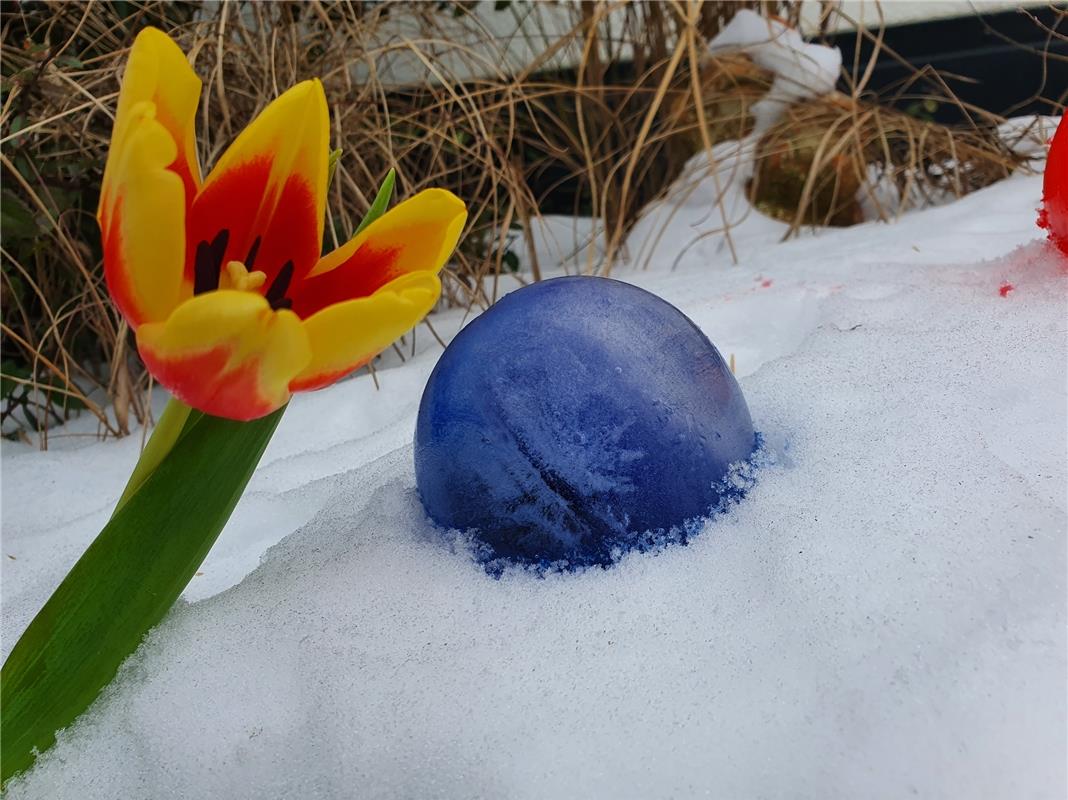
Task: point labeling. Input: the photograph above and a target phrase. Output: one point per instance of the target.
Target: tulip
(222, 279)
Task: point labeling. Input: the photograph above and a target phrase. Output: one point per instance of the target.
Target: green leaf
(378, 207)
(35, 425)
(331, 166)
(15, 219)
(9, 371)
(125, 582)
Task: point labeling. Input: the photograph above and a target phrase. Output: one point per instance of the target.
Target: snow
(572, 245)
(802, 70)
(882, 616)
(708, 203)
(1028, 135)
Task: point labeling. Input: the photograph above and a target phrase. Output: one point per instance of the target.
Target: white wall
(525, 29)
(900, 12)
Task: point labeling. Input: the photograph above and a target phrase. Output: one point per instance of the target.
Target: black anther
(250, 259)
(276, 294)
(208, 263)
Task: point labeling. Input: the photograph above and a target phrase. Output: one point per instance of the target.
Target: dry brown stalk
(598, 118)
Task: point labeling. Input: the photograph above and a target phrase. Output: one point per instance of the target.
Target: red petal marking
(115, 272)
(1005, 289)
(195, 380)
(180, 167)
(240, 201)
(368, 270)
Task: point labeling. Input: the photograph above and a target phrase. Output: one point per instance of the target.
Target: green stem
(163, 438)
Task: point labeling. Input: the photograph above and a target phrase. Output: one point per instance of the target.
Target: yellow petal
(418, 235)
(143, 224)
(268, 190)
(158, 72)
(150, 179)
(348, 335)
(227, 353)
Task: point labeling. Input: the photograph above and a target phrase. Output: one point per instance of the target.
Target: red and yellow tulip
(221, 278)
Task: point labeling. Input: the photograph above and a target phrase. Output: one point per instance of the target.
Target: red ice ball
(1054, 213)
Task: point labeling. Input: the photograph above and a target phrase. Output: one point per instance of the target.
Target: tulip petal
(346, 336)
(150, 179)
(158, 72)
(142, 227)
(267, 192)
(227, 353)
(416, 236)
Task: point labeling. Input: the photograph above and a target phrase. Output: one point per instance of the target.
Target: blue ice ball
(576, 417)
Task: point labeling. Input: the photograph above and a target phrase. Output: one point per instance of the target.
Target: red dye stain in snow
(766, 283)
(1005, 289)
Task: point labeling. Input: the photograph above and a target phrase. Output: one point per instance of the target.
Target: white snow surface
(883, 616)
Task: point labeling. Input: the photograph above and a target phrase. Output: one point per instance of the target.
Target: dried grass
(828, 159)
(602, 138)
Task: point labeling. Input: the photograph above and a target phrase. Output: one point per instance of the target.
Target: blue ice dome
(577, 417)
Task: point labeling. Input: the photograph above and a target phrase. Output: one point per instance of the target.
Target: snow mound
(802, 70)
(882, 616)
(706, 212)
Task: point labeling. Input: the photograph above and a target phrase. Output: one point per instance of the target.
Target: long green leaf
(125, 583)
(378, 207)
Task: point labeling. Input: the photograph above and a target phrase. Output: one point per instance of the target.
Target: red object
(1053, 216)
(1005, 289)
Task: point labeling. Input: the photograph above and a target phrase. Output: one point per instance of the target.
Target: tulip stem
(164, 436)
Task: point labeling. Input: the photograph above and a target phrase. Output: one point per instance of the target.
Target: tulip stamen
(250, 259)
(241, 279)
(276, 294)
(207, 266)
